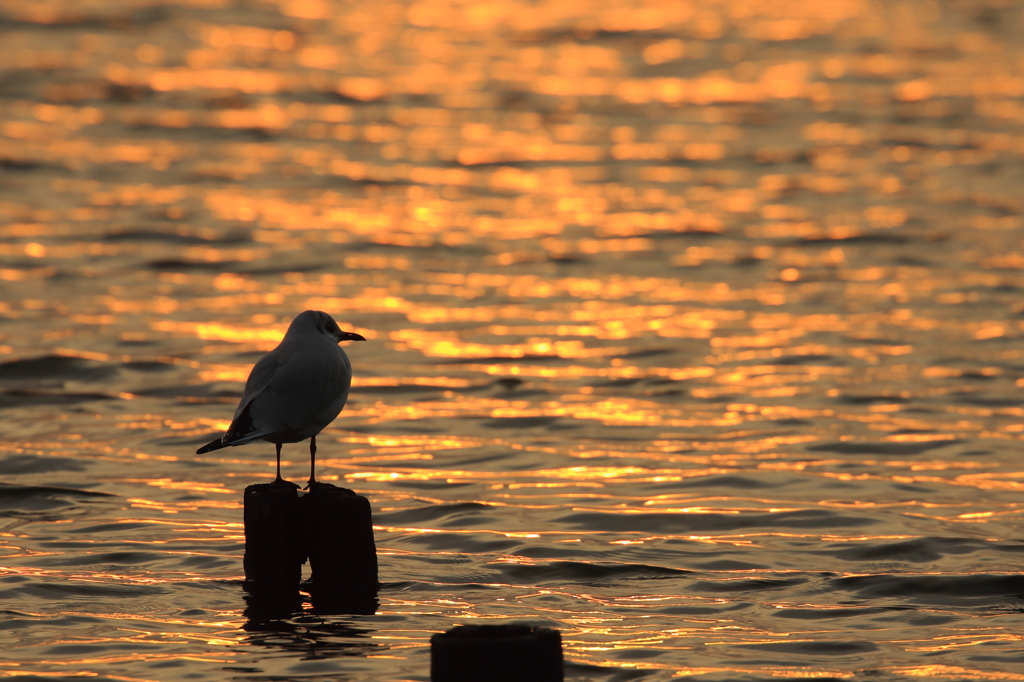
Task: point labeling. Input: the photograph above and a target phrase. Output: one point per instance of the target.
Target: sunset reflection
(692, 329)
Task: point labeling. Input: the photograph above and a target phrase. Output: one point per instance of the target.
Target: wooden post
(275, 546)
(496, 653)
(342, 554)
(331, 526)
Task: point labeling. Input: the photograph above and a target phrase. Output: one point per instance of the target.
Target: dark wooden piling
(342, 554)
(496, 653)
(275, 547)
(330, 526)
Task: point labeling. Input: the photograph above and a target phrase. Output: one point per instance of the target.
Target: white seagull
(295, 390)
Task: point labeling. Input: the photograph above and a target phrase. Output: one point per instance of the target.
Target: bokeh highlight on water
(693, 329)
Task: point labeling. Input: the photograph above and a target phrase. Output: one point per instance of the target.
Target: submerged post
(342, 554)
(330, 526)
(275, 546)
(496, 653)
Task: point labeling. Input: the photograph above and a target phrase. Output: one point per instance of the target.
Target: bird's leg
(278, 479)
(312, 463)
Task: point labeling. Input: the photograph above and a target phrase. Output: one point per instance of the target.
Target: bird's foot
(281, 481)
(313, 483)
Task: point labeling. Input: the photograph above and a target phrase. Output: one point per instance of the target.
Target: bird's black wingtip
(210, 447)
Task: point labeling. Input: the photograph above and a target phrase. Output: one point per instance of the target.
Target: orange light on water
(687, 287)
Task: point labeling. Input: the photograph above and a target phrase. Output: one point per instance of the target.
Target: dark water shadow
(17, 465)
(50, 369)
(279, 621)
(947, 590)
(17, 500)
(864, 448)
(30, 398)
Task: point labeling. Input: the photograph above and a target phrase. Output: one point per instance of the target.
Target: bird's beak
(350, 336)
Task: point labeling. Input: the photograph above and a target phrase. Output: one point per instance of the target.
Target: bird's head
(325, 324)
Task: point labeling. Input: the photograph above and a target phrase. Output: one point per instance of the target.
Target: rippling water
(693, 329)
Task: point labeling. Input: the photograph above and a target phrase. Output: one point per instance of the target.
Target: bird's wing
(242, 429)
(307, 393)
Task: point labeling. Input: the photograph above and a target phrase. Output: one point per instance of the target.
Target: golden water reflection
(691, 327)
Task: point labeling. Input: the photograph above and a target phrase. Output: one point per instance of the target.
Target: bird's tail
(211, 446)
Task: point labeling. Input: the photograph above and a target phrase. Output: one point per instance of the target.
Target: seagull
(295, 390)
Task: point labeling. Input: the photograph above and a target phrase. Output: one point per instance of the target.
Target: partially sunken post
(342, 555)
(275, 548)
(496, 653)
(330, 526)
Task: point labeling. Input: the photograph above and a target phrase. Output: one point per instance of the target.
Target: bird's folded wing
(259, 378)
(242, 429)
(308, 390)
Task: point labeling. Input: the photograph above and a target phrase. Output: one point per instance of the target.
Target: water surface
(693, 330)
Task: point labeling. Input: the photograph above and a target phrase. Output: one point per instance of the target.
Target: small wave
(687, 523)
(22, 498)
(424, 514)
(828, 614)
(918, 550)
(583, 573)
(745, 585)
(884, 448)
(942, 588)
(815, 648)
(17, 465)
(85, 590)
(51, 369)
